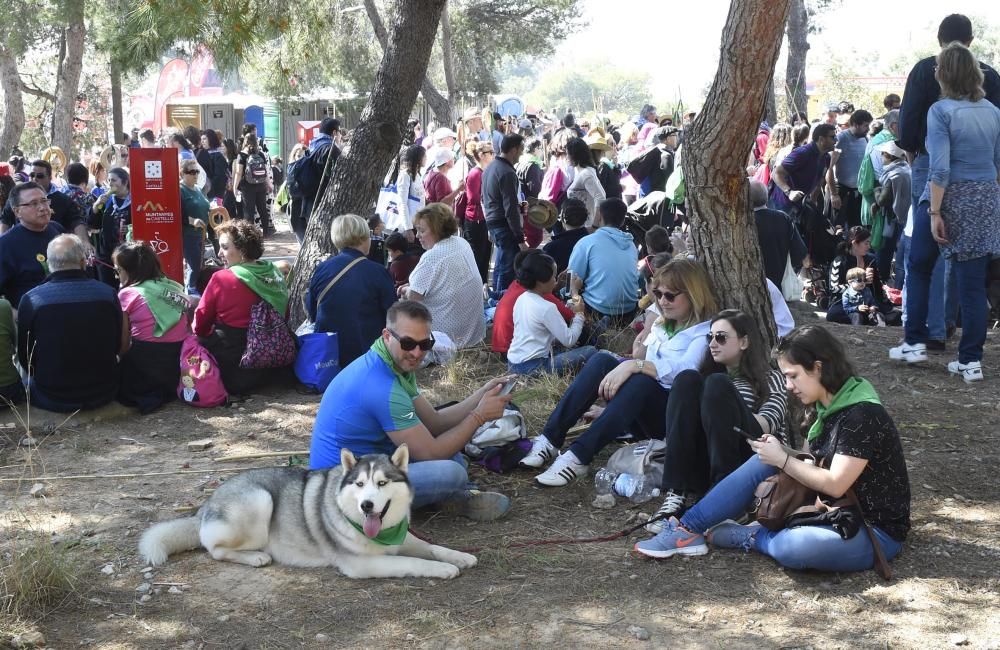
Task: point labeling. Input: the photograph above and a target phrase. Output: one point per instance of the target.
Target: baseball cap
(444, 132)
(442, 156)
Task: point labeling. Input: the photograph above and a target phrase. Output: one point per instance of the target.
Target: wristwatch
(640, 364)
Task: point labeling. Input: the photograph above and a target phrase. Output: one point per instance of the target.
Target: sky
(680, 47)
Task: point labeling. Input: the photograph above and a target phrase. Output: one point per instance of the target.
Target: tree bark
(771, 105)
(68, 83)
(795, 70)
(440, 105)
(355, 179)
(13, 120)
(117, 117)
(714, 159)
(446, 56)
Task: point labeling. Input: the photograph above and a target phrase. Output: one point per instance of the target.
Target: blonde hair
(857, 273)
(958, 73)
(440, 220)
(297, 152)
(690, 278)
(349, 231)
(781, 135)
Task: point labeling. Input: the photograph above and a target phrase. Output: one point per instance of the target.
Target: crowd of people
(552, 234)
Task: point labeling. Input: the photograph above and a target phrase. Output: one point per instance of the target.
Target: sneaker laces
(671, 504)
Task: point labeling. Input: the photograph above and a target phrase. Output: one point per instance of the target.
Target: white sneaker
(565, 468)
(970, 372)
(916, 353)
(674, 505)
(541, 452)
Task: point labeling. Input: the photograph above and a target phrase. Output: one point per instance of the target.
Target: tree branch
(37, 92)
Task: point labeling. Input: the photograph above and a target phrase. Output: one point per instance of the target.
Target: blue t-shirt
(606, 261)
(22, 259)
(362, 403)
(852, 152)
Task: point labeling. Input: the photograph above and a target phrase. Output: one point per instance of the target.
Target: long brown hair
(754, 365)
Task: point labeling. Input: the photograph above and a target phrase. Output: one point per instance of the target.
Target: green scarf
(854, 391)
(166, 301)
(530, 158)
(407, 380)
(387, 536)
(265, 280)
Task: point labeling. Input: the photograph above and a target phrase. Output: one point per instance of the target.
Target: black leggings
(255, 200)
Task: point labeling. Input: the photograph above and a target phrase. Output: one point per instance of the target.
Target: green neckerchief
(530, 158)
(407, 380)
(265, 280)
(387, 536)
(672, 327)
(166, 301)
(854, 391)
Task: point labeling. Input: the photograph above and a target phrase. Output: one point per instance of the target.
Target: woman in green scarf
(155, 310)
(858, 449)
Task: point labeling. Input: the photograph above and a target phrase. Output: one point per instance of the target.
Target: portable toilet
(272, 130)
(291, 113)
(218, 117)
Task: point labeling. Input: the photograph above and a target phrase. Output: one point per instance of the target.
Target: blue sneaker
(730, 534)
(674, 539)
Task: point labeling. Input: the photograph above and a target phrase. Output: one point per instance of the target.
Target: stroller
(815, 230)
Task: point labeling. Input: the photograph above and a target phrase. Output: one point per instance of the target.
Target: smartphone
(745, 434)
(508, 388)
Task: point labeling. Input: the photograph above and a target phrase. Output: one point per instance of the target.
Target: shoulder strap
(337, 277)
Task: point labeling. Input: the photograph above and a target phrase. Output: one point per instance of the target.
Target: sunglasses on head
(668, 295)
(408, 344)
(719, 337)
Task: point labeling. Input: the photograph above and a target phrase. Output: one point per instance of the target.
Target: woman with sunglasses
(735, 387)
(636, 390)
(849, 428)
(194, 216)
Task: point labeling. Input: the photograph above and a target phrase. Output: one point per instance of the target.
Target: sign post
(156, 206)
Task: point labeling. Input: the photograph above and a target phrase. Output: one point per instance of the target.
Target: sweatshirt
(606, 262)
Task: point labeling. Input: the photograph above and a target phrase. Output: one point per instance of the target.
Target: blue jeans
(936, 329)
(805, 547)
(194, 250)
(503, 264)
(433, 481)
(560, 363)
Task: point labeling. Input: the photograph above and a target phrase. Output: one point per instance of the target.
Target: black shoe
(933, 344)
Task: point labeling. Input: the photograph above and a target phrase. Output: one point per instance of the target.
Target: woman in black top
(856, 252)
(218, 166)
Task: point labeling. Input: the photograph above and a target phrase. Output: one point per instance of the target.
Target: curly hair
(246, 237)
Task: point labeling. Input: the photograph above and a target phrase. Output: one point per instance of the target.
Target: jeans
(297, 220)
(194, 250)
(503, 264)
(805, 547)
(433, 481)
(641, 401)
(885, 254)
(558, 363)
(478, 236)
(936, 329)
(702, 447)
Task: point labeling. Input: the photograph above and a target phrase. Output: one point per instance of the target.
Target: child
(401, 260)
(376, 252)
(859, 303)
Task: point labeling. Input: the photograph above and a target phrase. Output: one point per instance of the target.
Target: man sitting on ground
(373, 405)
(604, 266)
(573, 218)
(71, 367)
(22, 249)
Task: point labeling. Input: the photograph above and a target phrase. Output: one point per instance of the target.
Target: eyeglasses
(669, 296)
(408, 344)
(718, 337)
(37, 203)
(193, 172)
(34, 175)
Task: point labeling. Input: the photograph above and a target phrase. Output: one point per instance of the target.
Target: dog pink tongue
(372, 525)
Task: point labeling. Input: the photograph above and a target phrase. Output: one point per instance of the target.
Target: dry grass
(35, 578)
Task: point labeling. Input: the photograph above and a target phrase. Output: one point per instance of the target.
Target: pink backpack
(270, 341)
(553, 185)
(201, 382)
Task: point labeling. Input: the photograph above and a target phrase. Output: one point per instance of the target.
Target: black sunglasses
(193, 172)
(659, 295)
(38, 175)
(409, 344)
(720, 337)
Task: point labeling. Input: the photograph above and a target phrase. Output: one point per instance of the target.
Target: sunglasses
(193, 172)
(719, 337)
(409, 344)
(670, 297)
(38, 175)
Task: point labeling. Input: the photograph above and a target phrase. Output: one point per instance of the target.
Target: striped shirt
(773, 408)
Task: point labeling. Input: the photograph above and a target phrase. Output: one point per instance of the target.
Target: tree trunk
(355, 179)
(714, 159)
(438, 103)
(446, 56)
(117, 118)
(13, 119)
(68, 83)
(771, 105)
(795, 71)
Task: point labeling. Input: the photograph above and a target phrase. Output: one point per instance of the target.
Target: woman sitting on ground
(636, 390)
(854, 252)
(223, 313)
(349, 294)
(446, 278)
(503, 316)
(538, 325)
(735, 387)
(155, 310)
(852, 430)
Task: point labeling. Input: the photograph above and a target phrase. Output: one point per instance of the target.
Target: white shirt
(537, 325)
(587, 188)
(683, 351)
(408, 188)
(782, 315)
(448, 279)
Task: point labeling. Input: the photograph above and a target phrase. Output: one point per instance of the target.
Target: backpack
(255, 170)
(554, 185)
(610, 178)
(270, 342)
(303, 175)
(201, 381)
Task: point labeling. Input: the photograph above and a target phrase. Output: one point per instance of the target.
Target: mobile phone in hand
(746, 435)
(508, 388)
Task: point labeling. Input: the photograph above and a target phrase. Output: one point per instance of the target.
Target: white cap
(442, 155)
(444, 132)
(892, 149)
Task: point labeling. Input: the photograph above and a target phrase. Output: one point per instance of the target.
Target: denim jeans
(503, 264)
(194, 250)
(558, 363)
(433, 481)
(805, 547)
(641, 401)
(936, 329)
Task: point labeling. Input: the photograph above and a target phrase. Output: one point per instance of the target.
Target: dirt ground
(589, 595)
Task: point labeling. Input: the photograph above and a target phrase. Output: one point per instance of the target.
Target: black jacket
(501, 200)
(778, 240)
(922, 90)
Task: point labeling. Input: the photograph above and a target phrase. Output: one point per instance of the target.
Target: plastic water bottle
(638, 489)
(604, 481)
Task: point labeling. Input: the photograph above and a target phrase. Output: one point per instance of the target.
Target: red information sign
(156, 206)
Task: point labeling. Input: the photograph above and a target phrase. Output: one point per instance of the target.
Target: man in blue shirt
(842, 177)
(322, 147)
(801, 171)
(604, 266)
(22, 249)
(374, 405)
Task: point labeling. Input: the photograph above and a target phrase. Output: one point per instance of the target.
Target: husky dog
(353, 517)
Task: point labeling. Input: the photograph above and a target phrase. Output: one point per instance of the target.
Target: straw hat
(596, 140)
(55, 157)
(543, 214)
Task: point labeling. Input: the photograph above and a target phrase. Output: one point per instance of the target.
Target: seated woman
(538, 323)
(852, 430)
(223, 313)
(349, 293)
(155, 310)
(636, 390)
(446, 278)
(852, 253)
(503, 316)
(11, 386)
(735, 387)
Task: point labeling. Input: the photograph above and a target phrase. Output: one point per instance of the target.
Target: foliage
(38, 577)
(591, 87)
